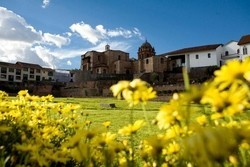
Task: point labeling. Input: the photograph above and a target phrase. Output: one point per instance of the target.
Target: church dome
(146, 44)
(146, 50)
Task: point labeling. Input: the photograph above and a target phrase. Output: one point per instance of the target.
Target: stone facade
(115, 62)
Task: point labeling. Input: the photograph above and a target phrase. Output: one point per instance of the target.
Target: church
(116, 64)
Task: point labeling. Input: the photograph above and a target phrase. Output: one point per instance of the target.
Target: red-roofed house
(193, 57)
(244, 44)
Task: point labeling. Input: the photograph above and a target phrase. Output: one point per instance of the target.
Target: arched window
(238, 51)
(226, 53)
(244, 50)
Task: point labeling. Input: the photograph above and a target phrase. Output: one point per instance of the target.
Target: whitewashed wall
(203, 59)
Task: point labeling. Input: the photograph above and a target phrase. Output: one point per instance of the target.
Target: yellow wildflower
(132, 129)
(106, 124)
(169, 114)
(202, 120)
(228, 102)
(133, 92)
(173, 148)
(233, 72)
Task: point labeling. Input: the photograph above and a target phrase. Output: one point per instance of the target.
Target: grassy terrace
(118, 116)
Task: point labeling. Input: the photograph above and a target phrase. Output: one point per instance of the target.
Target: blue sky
(55, 33)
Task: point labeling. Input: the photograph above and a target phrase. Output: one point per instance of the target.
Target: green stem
(146, 118)
(132, 138)
(186, 78)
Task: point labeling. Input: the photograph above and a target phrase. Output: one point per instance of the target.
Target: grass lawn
(118, 116)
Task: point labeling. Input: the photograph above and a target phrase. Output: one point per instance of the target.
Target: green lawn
(118, 116)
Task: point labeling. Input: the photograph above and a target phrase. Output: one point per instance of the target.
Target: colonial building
(148, 62)
(194, 57)
(21, 72)
(231, 50)
(244, 44)
(107, 62)
(112, 64)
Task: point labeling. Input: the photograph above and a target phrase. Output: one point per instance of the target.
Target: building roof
(244, 39)
(194, 49)
(5, 64)
(146, 44)
(29, 65)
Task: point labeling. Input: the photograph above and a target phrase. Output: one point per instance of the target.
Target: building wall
(247, 46)
(230, 48)
(160, 63)
(148, 64)
(17, 73)
(202, 59)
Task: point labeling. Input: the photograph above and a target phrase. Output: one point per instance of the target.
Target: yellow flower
(118, 88)
(23, 93)
(132, 129)
(202, 120)
(233, 72)
(106, 124)
(133, 92)
(173, 148)
(229, 102)
(169, 114)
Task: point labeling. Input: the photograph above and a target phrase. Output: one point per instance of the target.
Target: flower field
(206, 125)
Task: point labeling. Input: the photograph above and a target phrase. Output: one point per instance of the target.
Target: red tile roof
(28, 65)
(244, 39)
(194, 49)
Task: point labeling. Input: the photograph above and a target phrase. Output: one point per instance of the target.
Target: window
(11, 78)
(18, 77)
(98, 57)
(147, 61)
(38, 70)
(32, 76)
(104, 71)
(25, 69)
(25, 77)
(209, 55)
(244, 50)
(197, 56)
(11, 69)
(3, 76)
(18, 71)
(226, 53)
(50, 73)
(32, 70)
(119, 57)
(238, 51)
(38, 78)
(97, 70)
(4, 70)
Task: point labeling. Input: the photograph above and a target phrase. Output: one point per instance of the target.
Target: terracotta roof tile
(244, 39)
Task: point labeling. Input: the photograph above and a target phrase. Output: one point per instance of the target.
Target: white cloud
(99, 33)
(87, 32)
(20, 41)
(45, 3)
(57, 40)
(69, 63)
(14, 28)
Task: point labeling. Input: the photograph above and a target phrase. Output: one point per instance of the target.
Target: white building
(244, 44)
(193, 57)
(21, 71)
(231, 50)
